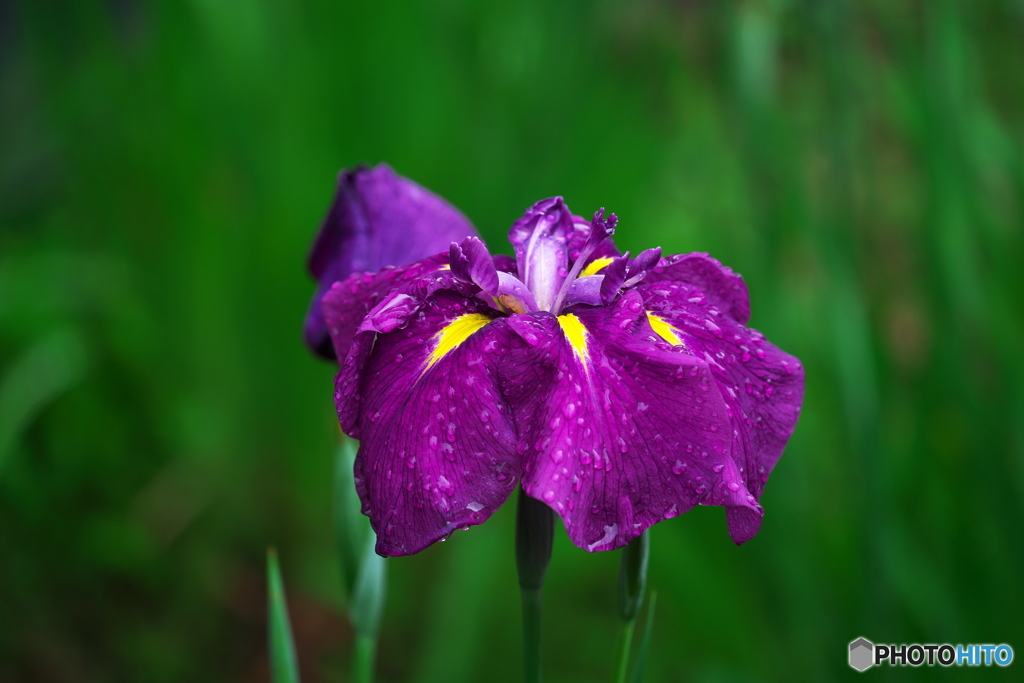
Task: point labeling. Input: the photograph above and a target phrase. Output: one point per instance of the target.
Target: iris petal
(762, 385)
(344, 304)
(718, 283)
(438, 448)
(629, 435)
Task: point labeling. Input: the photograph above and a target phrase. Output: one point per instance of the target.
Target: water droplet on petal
(713, 328)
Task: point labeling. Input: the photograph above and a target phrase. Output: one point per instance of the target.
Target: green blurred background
(163, 169)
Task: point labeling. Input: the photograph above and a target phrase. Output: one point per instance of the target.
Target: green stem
(535, 529)
(531, 634)
(627, 642)
(363, 656)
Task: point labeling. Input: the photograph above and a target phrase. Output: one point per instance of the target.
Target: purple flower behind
(377, 219)
(618, 390)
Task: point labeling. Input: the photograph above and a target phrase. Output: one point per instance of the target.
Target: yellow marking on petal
(576, 334)
(664, 330)
(596, 266)
(453, 334)
(445, 267)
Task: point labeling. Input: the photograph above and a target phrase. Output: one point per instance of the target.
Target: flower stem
(632, 585)
(363, 656)
(531, 634)
(535, 528)
(627, 642)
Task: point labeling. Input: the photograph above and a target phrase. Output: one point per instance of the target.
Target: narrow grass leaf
(645, 643)
(283, 666)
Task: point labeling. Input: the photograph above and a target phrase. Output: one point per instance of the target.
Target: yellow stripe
(664, 330)
(576, 334)
(453, 334)
(596, 266)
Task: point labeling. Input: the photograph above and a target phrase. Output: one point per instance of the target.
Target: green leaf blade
(283, 665)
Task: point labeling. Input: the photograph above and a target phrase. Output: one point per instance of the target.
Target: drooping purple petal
(723, 288)
(377, 219)
(344, 304)
(438, 446)
(761, 384)
(540, 239)
(617, 432)
(395, 309)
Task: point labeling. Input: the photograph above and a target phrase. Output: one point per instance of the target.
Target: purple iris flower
(619, 390)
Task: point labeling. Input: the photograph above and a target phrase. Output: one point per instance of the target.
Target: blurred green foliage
(164, 166)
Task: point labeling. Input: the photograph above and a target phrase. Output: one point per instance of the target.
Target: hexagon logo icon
(862, 653)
